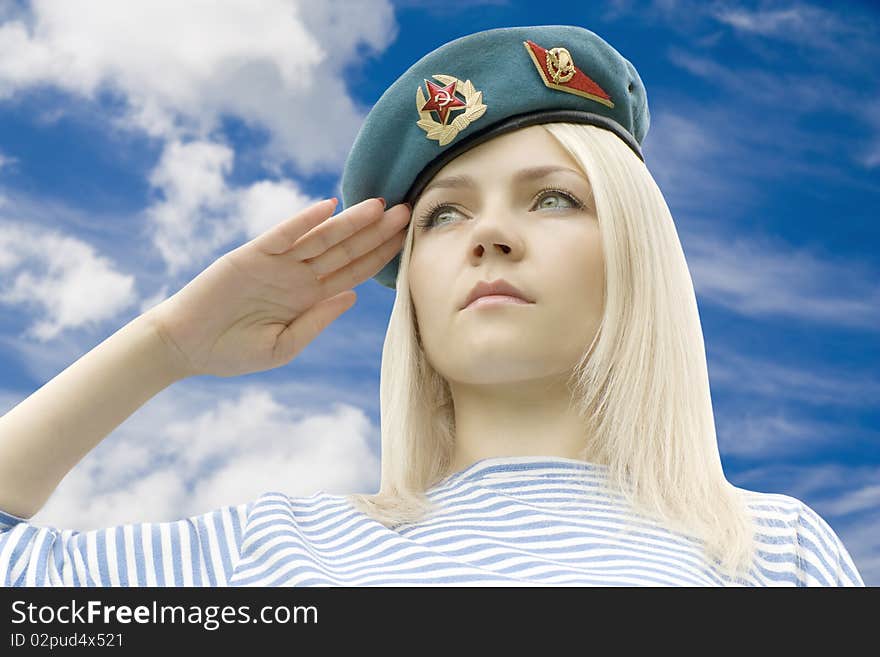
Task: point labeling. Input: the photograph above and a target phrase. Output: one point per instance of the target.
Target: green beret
(482, 85)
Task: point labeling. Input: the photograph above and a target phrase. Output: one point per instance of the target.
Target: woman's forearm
(48, 433)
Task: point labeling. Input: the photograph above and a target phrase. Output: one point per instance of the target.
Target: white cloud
(846, 36)
(202, 446)
(677, 149)
(155, 496)
(181, 67)
(869, 155)
(200, 212)
(804, 24)
(784, 147)
(818, 61)
(6, 161)
(744, 374)
(767, 434)
(755, 277)
(62, 277)
(193, 218)
(865, 498)
(265, 203)
(790, 21)
(872, 158)
(798, 93)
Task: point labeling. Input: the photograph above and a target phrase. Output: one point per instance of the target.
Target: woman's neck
(531, 418)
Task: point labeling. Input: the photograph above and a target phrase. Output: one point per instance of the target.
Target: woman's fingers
(341, 252)
(343, 226)
(366, 266)
(293, 339)
(282, 236)
(361, 242)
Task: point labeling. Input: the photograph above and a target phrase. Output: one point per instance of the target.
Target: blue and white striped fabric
(504, 521)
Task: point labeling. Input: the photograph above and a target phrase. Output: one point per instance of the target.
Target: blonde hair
(641, 388)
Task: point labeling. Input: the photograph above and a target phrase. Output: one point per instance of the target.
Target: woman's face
(518, 208)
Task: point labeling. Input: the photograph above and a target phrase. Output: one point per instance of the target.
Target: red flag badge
(558, 71)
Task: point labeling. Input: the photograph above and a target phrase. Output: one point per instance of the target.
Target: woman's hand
(256, 307)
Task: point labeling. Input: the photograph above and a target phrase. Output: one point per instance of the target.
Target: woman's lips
(495, 300)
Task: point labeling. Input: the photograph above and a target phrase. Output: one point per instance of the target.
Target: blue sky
(138, 144)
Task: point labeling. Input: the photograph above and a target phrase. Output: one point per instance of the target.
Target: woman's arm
(253, 309)
(49, 432)
(200, 550)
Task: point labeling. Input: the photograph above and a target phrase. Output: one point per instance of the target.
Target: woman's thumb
(307, 326)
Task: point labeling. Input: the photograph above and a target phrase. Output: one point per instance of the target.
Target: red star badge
(442, 100)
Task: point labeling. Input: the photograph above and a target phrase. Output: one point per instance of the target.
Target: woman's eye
(551, 199)
(548, 199)
(434, 216)
(445, 212)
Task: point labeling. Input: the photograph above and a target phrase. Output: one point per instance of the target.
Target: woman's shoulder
(318, 502)
(785, 518)
(779, 506)
(777, 509)
(787, 522)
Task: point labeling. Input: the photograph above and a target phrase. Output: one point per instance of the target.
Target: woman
(546, 416)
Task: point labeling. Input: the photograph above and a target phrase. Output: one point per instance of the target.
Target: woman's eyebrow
(523, 175)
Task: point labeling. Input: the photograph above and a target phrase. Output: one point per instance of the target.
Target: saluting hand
(258, 306)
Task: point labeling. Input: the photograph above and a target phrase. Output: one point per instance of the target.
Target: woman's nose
(494, 233)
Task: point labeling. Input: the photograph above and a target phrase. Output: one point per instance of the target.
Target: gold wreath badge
(560, 65)
(474, 109)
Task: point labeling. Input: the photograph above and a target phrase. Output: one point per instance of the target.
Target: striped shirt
(503, 521)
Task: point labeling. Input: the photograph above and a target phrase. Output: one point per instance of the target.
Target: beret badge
(444, 101)
(558, 71)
